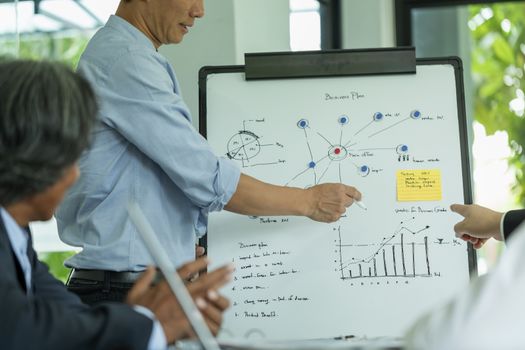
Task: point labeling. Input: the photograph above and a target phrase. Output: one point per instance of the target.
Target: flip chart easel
(379, 120)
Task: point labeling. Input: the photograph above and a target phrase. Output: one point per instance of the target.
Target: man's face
(45, 203)
(170, 20)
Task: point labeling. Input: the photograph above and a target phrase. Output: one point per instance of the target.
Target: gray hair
(46, 115)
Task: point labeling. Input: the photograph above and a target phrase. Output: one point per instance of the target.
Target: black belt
(106, 276)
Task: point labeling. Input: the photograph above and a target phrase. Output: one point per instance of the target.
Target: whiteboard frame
(453, 61)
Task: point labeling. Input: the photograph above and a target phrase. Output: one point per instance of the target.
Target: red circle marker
(337, 151)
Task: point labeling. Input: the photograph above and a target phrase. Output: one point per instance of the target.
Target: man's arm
(53, 318)
(42, 321)
(141, 103)
(164, 305)
(142, 91)
(326, 202)
(34, 322)
(480, 223)
(511, 221)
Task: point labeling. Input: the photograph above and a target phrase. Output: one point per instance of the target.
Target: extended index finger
(461, 209)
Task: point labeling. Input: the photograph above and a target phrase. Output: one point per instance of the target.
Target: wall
(229, 29)
(367, 24)
(261, 26)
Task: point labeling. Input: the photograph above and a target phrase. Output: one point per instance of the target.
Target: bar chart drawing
(402, 254)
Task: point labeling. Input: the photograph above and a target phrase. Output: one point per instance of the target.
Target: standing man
(145, 149)
(46, 115)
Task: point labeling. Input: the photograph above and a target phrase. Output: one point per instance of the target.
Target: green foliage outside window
(57, 47)
(55, 262)
(498, 58)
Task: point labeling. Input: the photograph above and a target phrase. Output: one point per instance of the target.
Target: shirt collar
(17, 236)
(121, 25)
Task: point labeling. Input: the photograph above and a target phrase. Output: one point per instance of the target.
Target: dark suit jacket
(512, 220)
(53, 318)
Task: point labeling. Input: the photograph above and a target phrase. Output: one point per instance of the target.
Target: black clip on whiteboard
(310, 64)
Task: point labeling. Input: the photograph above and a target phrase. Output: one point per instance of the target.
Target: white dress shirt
(18, 239)
(489, 314)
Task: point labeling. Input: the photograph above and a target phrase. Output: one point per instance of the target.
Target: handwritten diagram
(248, 148)
(346, 149)
(243, 146)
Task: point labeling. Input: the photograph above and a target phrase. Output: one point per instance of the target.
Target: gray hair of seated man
(46, 115)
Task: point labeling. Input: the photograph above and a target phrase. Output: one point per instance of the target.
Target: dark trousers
(92, 292)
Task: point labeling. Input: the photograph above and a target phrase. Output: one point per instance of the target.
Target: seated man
(46, 115)
(489, 313)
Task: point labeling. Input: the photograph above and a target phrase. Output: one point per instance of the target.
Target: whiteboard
(373, 272)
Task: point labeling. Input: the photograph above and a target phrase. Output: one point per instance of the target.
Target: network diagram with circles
(348, 147)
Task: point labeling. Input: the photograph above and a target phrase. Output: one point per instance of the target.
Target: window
(487, 36)
(53, 29)
(57, 30)
(305, 25)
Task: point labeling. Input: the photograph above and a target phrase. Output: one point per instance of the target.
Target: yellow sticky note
(418, 185)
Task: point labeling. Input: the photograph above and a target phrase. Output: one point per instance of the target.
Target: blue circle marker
(378, 116)
(311, 165)
(303, 123)
(364, 170)
(415, 114)
(402, 149)
(343, 120)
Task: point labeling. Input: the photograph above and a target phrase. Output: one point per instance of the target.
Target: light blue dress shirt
(19, 240)
(144, 149)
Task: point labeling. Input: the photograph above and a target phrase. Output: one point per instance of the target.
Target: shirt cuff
(157, 339)
(226, 185)
(501, 226)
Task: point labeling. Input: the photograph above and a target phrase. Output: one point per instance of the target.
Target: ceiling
(53, 15)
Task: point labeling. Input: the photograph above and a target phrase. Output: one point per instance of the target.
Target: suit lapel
(8, 258)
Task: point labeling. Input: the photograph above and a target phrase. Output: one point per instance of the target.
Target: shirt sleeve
(157, 340)
(142, 103)
(511, 220)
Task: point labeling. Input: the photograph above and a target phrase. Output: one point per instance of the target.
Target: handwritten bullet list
(259, 266)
